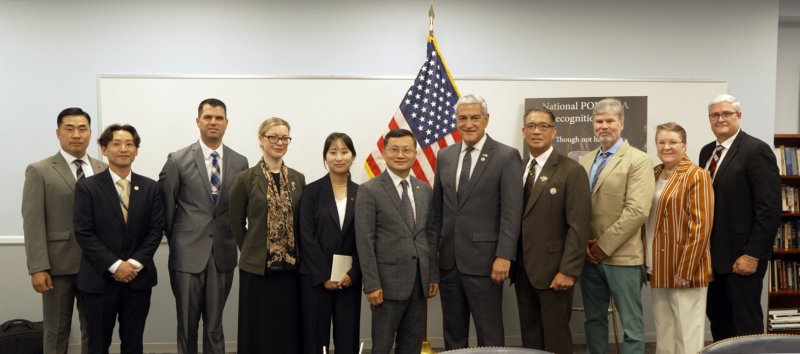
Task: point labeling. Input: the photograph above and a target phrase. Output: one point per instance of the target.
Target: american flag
(428, 110)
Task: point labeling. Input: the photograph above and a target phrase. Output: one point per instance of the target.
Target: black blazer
(747, 201)
(320, 236)
(105, 238)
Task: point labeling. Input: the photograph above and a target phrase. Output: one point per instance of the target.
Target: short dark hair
(213, 102)
(108, 134)
(72, 111)
(338, 136)
(398, 133)
(540, 109)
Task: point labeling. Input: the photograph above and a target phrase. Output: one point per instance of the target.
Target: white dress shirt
(207, 158)
(478, 147)
(396, 180)
(727, 146)
(539, 164)
(87, 170)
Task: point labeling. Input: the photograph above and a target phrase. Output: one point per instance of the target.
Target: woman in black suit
(326, 229)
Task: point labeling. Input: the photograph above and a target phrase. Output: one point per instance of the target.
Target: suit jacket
(248, 211)
(621, 202)
(472, 232)
(47, 202)
(389, 249)
(320, 234)
(194, 224)
(556, 222)
(684, 215)
(105, 237)
(747, 200)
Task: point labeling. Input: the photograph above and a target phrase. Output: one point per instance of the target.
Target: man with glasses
(397, 258)
(747, 199)
(556, 220)
(476, 216)
(202, 252)
(622, 184)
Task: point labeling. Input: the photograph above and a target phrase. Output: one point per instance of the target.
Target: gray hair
(470, 99)
(610, 106)
(727, 98)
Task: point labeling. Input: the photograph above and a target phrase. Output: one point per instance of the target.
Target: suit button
(210, 236)
(413, 257)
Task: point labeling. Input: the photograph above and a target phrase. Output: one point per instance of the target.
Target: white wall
(52, 52)
(787, 95)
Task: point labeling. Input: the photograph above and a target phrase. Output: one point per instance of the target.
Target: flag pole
(426, 344)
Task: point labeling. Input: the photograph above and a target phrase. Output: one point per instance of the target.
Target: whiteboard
(163, 109)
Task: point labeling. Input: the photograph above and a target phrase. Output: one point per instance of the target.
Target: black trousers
(269, 313)
(320, 306)
(102, 311)
(734, 303)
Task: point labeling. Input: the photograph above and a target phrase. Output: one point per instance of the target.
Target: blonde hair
(268, 123)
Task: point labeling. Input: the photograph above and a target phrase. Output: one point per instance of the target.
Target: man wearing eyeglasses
(476, 216)
(202, 251)
(397, 258)
(622, 185)
(747, 199)
(556, 221)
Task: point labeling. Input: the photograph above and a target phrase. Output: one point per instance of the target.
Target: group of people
(699, 235)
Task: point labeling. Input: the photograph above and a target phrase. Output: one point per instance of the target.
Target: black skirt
(269, 313)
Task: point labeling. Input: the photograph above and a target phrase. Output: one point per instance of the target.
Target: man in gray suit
(476, 219)
(398, 260)
(556, 222)
(202, 252)
(47, 204)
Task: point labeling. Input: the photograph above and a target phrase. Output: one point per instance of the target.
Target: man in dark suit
(747, 199)
(53, 254)
(398, 261)
(556, 222)
(202, 251)
(118, 223)
(476, 211)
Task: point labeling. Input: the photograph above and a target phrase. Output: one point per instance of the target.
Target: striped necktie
(530, 181)
(215, 180)
(600, 167)
(79, 171)
(124, 198)
(463, 179)
(712, 168)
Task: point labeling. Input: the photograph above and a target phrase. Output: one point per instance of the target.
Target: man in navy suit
(747, 199)
(118, 222)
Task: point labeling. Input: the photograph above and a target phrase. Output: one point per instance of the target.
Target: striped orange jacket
(684, 217)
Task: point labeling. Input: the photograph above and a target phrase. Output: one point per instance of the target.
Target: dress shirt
(539, 164)
(207, 158)
(475, 153)
(651, 225)
(599, 158)
(396, 180)
(115, 178)
(727, 144)
(87, 165)
(341, 207)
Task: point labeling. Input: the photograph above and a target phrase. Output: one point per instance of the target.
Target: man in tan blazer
(47, 202)
(621, 180)
(555, 227)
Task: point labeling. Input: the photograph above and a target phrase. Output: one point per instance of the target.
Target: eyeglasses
(273, 139)
(718, 115)
(394, 151)
(668, 143)
(543, 127)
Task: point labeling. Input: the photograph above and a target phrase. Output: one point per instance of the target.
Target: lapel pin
(136, 188)
(553, 191)
(293, 186)
(543, 178)
(484, 157)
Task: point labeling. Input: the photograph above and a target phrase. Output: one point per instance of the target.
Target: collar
(612, 150)
(396, 179)
(69, 158)
(478, 146)
(115, 178)
(728, 142)
(543, 157)
(207, 150)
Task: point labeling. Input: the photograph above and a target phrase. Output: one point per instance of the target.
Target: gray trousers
(57, 307)
(403, 319)
(463, 295)
(201, 295)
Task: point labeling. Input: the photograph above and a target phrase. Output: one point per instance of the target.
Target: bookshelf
(784, 273)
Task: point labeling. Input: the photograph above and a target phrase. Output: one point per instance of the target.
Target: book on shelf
(788, 160)
(791, 165)
(790, 198)
(784, 312)
(785, 319)
(780, 159)
(784, 275)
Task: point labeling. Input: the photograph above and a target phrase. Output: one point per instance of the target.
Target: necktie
(463, 179)
(530, 181)
(124, 198)
(600, 168)
(712, 168)
(79, 171)
(408, 210)
(215, 180)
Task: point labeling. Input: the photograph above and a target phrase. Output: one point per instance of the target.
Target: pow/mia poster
(575, 129)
